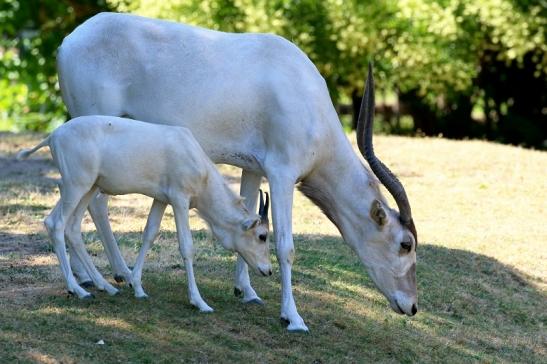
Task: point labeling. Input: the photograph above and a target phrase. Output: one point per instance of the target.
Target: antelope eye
(263, 237)
(406, 245)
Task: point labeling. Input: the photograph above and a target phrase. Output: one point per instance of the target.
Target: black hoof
(237, 292)
(284, 321)
(87, 284)
(119, 278)
(88, 297)
(143, 298)
(255, 301)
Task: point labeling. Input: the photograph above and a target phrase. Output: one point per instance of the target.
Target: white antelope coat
(251, 100)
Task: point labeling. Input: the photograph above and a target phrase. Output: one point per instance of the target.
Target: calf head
(251, 240)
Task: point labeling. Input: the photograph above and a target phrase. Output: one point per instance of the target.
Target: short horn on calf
(264, 207)
(364, 142)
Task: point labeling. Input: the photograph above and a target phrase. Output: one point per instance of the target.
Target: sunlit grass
(480, 211)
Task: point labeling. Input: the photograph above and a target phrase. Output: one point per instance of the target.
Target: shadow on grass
(32, 208)
(23, 244)
(472, 308)
(35, 168)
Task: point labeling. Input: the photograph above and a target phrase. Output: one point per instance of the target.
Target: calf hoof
(237, 292)
(113, 292)
(87, 284)
(88, 297)
(255, 301)
(294, 328)
(118, 278)
(142, 298)
(297, 330)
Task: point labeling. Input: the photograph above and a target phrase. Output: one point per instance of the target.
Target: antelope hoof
(298, 328)
(255, 301)
(118, 278)
(237, 292)
(87, 284)
(294, 328)
(202, 306)
(113, 292)
(88, 297)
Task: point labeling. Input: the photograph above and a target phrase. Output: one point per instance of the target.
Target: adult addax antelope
(257, 102)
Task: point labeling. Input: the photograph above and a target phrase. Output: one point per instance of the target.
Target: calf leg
(98, 209)
(78, 268)
(74, 234)
(150, 233)
(180, 209)
(250, 183)
(76, 264)
(55, 224)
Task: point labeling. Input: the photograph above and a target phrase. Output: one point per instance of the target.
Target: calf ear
(250, 223)
(377, 213)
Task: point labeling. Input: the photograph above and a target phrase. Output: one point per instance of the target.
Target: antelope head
(389, 252)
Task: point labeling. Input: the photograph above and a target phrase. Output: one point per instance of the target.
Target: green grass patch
(481, 275)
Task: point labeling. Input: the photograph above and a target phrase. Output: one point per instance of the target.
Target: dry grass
(480, 210)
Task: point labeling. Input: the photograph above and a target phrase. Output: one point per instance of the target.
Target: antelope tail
(25, 153)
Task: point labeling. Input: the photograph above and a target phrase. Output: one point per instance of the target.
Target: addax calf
(120, 156)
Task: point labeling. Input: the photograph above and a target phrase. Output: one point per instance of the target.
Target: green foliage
(434, 53)
(30, 32)
(432, 46)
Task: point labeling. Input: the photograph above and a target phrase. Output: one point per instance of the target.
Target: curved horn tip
(366, 114)
(261, 204)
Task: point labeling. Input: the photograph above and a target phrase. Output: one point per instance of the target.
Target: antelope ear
(377, 213)
(250, 223)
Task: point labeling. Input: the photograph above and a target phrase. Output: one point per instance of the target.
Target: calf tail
(25, 153)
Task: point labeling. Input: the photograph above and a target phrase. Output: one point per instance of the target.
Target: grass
(480, 211)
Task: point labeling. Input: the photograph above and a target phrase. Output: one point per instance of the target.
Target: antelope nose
(414, 309)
